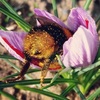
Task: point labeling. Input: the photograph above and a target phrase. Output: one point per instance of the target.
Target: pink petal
(44, 17)
(80, 50)
(78, 17)
(13, 42)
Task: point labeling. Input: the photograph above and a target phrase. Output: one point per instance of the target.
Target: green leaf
(11, 10)
(68, 89)
(7, 57)
(8, 6)
(9, 96)
(3, 28)
(50, 94)
(92, 81)
(15, 67)
(16, 74)
(74, 3)
(88, 76)
(54, 5)
(94, 95)
(26, 26)
(87, 4)
(35, 81)
(59, 61)
(88, 68)
(77, 90)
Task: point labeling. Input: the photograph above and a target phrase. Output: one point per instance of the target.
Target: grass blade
(17, 68)
(9, 7)
(34, 81)
(87, 4)
(9, 96)
(54, 5)
(11, 10)
(88, 68)
(76, 89)
(16, 18)
(50, 94)
(68, 89)
(94, 95)
(2, 28)
(74, 3)
(16, 74)
(7, 57)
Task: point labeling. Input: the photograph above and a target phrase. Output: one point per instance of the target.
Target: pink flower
(79, 50)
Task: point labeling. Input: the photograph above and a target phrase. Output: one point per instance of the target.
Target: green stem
(79, 93)
(9, 96)
(68, 89)
(54, 5)
(3, 28)
(50, 94)
(87, 4)
(73, 3)
(16, 18)
(35, 81)
(15, 13)
(94, 95)
(77, 90)
(88, 68)
(9, 7)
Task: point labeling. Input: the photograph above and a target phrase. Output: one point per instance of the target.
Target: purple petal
(81, 49)
(13, 42)
(45, 17)
(78, 17)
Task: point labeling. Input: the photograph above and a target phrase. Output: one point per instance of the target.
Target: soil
(25, 9)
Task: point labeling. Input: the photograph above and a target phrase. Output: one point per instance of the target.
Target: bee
(41, 45)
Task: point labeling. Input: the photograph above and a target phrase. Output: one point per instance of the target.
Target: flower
(79, 50)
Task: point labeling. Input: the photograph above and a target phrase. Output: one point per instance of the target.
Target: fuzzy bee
(41, 45)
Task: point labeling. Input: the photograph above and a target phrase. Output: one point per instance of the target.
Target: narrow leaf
(9, 96)
(50, 94)
(16, 18)
(94, 95)
(76, 89)
(74, 3)
(7, 57)
(68, 89)
(17, 68)
(87, 4)
(35, 81)
(54, 5)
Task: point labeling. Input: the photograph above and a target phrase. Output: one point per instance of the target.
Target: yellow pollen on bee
(39, 44)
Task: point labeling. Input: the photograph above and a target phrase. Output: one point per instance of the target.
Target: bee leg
(21, 74)
(44, 71)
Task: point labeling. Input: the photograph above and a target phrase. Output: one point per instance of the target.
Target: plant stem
(87, 4)
(54, 5)
(73, 3)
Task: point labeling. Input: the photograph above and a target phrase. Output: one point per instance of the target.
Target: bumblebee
(41, 45)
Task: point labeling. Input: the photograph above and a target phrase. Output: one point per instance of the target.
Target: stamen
(87, 23)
